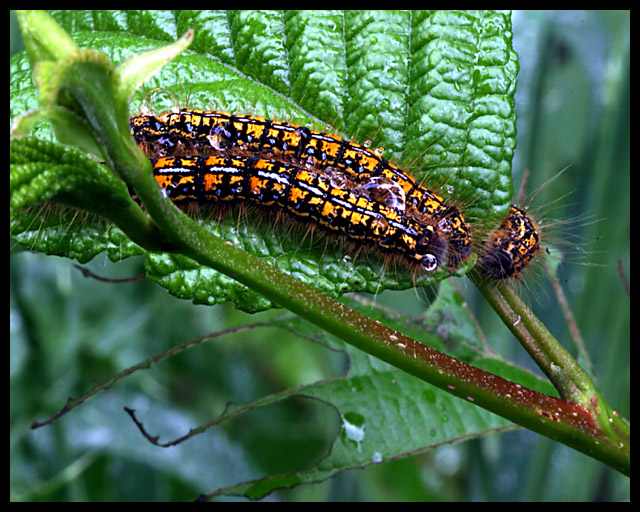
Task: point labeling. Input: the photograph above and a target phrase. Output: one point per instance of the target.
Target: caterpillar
(511, 247)
(306, 193)
(347, 167)
(198, 132)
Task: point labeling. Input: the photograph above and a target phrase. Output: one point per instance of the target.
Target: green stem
(571, 381)
(569, 378)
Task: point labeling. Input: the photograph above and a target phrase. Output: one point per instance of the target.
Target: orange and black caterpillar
(306, 193)
(504, 255)
(196, 132)
(511, 247)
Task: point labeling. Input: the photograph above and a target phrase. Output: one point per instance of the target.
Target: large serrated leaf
(433, 89)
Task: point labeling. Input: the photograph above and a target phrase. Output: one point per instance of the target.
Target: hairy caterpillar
(306, 193)
(196, 132)
(511, 247)
(350, 169)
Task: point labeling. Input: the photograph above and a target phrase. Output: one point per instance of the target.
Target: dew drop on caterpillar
(196, 132)
(307, 194)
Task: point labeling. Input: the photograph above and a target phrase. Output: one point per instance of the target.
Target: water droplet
(215, 141)
(354, 432)
(309, 163)
(336, 178)
(430, 262)
(445, 226)
(381, 189)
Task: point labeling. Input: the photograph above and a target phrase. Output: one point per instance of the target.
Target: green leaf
(134, 71)
(43, 171)
(434, 89)
(385, 413)
(57, 45)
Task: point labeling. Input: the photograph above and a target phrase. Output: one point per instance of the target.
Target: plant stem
(571, 381)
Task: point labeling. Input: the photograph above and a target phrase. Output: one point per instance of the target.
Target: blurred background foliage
(68, 333)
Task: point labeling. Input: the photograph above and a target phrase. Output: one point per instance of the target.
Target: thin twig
(73, 403)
